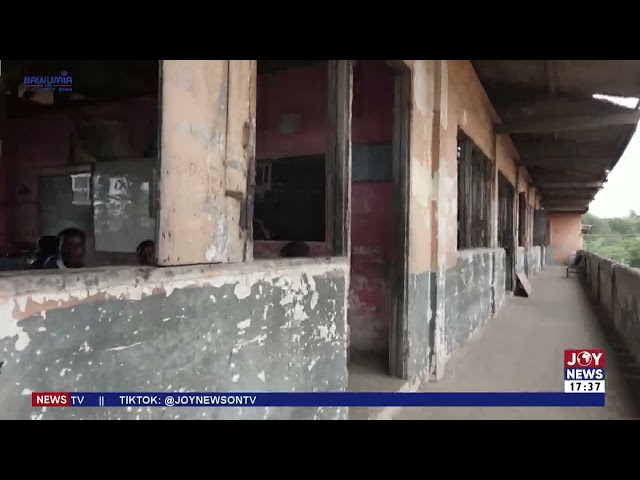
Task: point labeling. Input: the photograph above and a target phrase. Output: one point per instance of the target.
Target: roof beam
(567, 206)
(577, 196)
(566, 201)
(559, 170)
(551, 163)
(567, 210)
(560, 149)
(544, 185)
(541, 125)
(579, 202)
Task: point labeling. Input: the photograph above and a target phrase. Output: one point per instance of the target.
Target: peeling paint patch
(312, 363)
(420, 87)
(298, 313)
(244, 324)
(211, 253)
(9, 328)
(314, 300)
(242, 290)
(117, 349)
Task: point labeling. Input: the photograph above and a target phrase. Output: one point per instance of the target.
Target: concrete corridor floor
(521, 349)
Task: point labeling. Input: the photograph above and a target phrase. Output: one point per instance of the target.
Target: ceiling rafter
(566, 139)
(581, 122)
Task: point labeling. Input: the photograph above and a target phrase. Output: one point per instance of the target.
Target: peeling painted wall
(263, 326)
(420, 322)
(520, 260)
(469, 296)
(424, 191)
(617, 289)
(533, 260)
(499, 279)
(453, 90)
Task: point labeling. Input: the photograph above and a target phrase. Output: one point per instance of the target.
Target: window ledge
(39, 282)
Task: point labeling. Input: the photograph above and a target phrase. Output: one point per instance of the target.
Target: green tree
(633, 249)
(624, 226)
(600, 225)
(614, 238)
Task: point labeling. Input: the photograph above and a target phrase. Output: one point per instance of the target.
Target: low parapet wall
(616, 288)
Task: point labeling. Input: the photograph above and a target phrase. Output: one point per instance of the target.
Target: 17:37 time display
(585, 386)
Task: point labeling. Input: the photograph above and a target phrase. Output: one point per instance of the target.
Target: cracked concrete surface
(522, 350)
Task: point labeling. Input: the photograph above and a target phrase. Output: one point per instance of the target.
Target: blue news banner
(316, 399)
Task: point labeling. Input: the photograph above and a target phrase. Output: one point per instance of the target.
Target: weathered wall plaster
(532, 260)
(458, 92)
(469, 293)
(565, 236)
(499, 279)
(520, 260)
(616, 288)
(263, 326)
(424, 191)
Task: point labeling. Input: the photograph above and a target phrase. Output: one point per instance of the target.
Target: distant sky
(621, 193)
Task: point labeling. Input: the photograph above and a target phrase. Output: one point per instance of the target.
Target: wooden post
(207, 148)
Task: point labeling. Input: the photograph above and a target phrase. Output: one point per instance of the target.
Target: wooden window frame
(475, 187)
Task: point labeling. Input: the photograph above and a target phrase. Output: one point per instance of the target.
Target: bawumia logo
(62, 82)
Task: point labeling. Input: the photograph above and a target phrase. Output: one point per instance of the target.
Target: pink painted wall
(304, 91)
(565, 236)
(43, 141)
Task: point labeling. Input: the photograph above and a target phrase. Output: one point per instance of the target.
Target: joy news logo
(584, 371)
(60, 83)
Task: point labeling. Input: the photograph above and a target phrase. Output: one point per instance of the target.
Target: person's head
(146, 252)
(47, 246)
(71, 245)
(295, 249)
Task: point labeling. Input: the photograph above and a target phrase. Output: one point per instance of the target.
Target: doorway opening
(379, 220)
(506, 240)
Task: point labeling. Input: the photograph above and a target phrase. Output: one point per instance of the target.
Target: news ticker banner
(583, 387)
(584, 371)
(316, 399)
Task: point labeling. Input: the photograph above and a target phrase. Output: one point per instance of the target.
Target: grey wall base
(266, 326)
